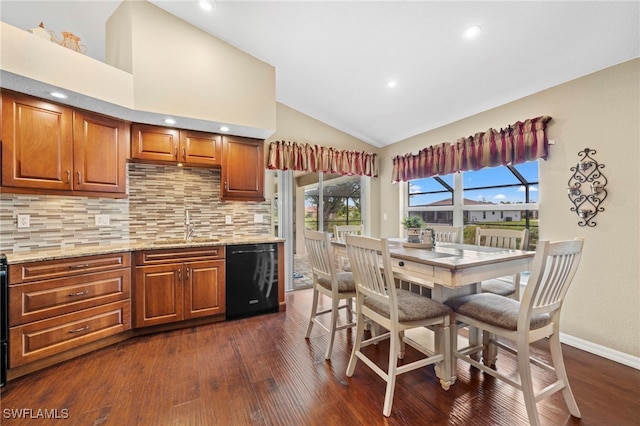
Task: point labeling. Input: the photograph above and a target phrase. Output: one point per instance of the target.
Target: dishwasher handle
(270, 250)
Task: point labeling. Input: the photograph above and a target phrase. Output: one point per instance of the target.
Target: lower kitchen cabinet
(174, 285)
(40, 339)
(59, 305)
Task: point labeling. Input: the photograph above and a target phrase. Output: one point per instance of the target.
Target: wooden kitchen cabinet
(167, 145)
(242, 174)
(59, 305)
(46, 146)
(172, 285)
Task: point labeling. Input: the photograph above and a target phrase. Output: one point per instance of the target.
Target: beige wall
(294, 126)
(181, 70)
(600, 111)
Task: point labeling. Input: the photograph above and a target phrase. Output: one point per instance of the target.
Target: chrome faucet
(188, 226)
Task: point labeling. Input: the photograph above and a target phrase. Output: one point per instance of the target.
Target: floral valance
(519, 142)
(315, 158)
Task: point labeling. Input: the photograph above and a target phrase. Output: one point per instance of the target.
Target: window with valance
(520, 142)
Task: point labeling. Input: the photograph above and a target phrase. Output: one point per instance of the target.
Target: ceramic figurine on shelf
(41, 32)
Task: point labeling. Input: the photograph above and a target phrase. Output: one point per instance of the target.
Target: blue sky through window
(491, 176)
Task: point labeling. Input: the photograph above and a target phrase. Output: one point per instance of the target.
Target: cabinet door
(204, 293)
(200, 148)
(154, 143)
(242, 169)
(158, 295)
(100, 150)
(41, 339)
(37, 145)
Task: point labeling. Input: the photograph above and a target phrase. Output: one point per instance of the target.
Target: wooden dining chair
(536, 317)
(326, 281)
(447, 233)
(341, 232)
(395, 310)
(509, 239)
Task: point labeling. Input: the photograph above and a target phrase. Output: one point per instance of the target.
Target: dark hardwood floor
(261, 371)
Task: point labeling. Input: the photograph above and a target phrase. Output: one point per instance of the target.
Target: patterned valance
(315, 158)
(519, 142)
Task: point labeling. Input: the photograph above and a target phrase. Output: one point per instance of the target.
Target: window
(340, 203)
(496, 197)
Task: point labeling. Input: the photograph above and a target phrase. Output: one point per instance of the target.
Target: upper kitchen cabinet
(162, 144)
(243, 167)
(49, 147)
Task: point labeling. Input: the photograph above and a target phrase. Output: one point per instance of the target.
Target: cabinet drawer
(33, 271)
(163, 256)
(45, 299)
(41, 339)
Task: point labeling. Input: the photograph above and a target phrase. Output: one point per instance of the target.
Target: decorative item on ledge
(586, 188)
(417, 235)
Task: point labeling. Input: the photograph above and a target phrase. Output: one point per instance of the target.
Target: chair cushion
(499, 287)
(346, 267)
(345, 282)
(411, 307)
(495, 310)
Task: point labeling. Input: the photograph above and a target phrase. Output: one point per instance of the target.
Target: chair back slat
(554, 267)
(447, 234)
(369, 258)
(318, 245)
(343, 230)
(503, 238)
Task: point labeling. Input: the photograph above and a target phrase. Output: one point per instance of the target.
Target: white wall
(600, 111)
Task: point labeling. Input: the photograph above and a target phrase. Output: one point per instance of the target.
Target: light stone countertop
(53, 253)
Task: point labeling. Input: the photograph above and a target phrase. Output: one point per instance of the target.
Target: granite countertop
(62, 252)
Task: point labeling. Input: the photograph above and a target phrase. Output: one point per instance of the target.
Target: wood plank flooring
(261, 371)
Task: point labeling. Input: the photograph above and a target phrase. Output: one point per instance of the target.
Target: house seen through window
(494, 197)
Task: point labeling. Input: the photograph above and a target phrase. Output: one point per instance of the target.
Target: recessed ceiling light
(207, 4)
(170, 121)
(58, 95)
(392, 83)
(224, 129)
(472, 31)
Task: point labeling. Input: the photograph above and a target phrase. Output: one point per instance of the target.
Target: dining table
(450, 270)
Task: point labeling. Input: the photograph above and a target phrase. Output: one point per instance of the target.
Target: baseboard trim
(603, 351)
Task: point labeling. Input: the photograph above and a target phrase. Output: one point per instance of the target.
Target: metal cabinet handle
(179, 274)
(80, 330)
(80, 293)
(184, 154)
(176, 153)
(187, 275)
(82, 266)
(79, 178)
(68, 176)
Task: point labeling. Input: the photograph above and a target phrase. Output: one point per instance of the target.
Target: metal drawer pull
(80, 330)
(80, 293)
(84, 265)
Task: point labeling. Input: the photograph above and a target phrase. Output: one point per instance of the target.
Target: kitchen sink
(169, 241)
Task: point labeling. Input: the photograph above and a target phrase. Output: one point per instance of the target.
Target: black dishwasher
(251, 279)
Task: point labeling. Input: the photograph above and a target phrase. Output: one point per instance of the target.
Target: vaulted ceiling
(334, 59)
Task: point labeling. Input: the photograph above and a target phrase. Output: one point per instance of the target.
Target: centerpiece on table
(417, 234)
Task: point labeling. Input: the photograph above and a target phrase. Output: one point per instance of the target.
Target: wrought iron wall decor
(586, 188)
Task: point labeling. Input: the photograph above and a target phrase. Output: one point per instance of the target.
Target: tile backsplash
(155, 208)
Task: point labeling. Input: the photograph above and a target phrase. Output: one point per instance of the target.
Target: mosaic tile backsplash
(158, 198)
